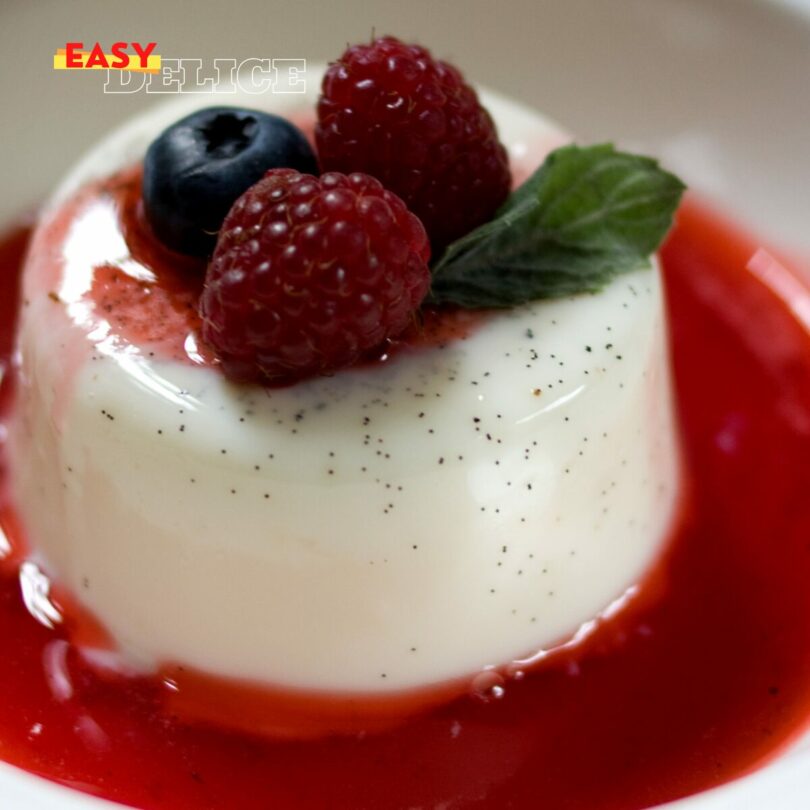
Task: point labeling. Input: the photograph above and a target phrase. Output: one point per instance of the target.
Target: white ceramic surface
(715, 87)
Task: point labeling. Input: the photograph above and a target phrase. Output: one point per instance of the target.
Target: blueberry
(194, 171)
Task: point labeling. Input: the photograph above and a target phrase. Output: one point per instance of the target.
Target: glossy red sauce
(702, 681)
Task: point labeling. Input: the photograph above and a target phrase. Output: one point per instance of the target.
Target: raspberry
(393, 111)
(309, 274)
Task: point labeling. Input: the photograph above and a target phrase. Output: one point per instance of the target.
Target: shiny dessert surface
(516, 471)
(702, 680)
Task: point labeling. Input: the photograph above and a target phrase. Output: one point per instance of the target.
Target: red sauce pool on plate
(700, 683)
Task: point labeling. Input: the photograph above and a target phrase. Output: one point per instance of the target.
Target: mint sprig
(586, 215)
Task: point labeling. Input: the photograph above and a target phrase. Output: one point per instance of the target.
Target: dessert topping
(393, 111)
(197, 167)
(310, 273)
(586, 215)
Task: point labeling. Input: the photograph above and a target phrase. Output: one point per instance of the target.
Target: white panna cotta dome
(387, 528)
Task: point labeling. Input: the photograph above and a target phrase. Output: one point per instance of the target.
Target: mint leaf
(586, 215)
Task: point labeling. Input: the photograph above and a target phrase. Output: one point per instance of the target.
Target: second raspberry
(393, 111)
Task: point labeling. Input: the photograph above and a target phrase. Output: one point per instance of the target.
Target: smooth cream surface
(384, 528)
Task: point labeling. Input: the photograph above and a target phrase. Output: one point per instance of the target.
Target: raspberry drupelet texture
(309, 274)
(393, 111)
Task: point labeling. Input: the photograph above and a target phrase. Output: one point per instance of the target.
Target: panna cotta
(402, 524)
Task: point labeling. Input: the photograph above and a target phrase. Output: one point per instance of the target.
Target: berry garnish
(309, 274)
(393, 111)
(197, 167)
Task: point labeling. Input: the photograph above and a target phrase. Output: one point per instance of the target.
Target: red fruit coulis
(702, 680)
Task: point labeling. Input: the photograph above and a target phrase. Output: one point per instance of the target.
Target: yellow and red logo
(133, 56)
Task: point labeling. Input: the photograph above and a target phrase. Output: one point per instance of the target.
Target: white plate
(717, 88)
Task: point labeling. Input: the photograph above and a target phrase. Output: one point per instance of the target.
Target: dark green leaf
(586, 215)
